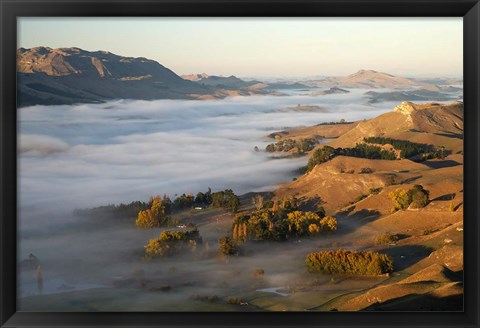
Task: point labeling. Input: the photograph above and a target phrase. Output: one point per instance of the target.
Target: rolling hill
(428, 255)
(369, 79)
(432, 123)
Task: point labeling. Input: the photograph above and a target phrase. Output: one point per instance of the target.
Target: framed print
(223, 163)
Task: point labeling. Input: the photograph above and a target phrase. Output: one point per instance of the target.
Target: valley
(264, 274)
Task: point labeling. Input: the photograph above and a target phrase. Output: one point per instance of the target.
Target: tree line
(327, 153)
(409, 149)
(350, 262)
(286, 145)
(159, 209)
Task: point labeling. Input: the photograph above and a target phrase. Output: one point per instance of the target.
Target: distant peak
(363, 71)
(41, 49)
(405, 108)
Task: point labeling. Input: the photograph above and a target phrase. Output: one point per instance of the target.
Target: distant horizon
(278, 77)
(265, 47)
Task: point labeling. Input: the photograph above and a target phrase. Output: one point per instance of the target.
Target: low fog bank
(106, 263)
(83, 156)
(92, 154)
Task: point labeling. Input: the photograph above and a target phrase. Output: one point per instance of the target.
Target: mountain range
(72, 75)
(49, 76)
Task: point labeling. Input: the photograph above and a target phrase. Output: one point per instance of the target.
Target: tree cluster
(409, 149)
(172, 242)
(281, 222)
(157, 215)
(417, 197)
(386, 238)
(115, 211)
(286, 145)
(227, 246)
(351, 262)
(327, 153)
(226, 199)
(342, 121)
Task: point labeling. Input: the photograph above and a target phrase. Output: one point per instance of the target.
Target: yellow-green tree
(152, 217)
(452, 206)
(235, 232)
(157, 248)
(301, 220)
(400, 199)
(328, 223)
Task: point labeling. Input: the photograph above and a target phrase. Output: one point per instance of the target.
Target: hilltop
(374, 79)
(426, 123)
(369, 79)
(72, 75)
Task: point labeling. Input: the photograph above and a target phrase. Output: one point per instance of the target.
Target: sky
(265, 47)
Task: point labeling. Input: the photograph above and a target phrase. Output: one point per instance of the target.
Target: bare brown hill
(374, 79)
(329, 131)
(339, 181)
(369, 79)
(433, 119)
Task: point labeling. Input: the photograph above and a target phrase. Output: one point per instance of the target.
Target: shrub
(418, 196)
(375, 191)
(386, 238)
(452, 206)
(321, 211)
(359, 198)
(235, 300)
(390, 181)
(366, 170)
(170, 242)
(212, 299)
(351, 262)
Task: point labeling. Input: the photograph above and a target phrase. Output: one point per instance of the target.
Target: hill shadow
(350, 222)
(445, 197)
(311, 204)
(441, 164)
(410, 180)
(405, 256)
(420, 302)
(458, 206)
(450, 135)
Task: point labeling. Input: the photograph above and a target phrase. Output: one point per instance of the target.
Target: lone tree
(227, 246)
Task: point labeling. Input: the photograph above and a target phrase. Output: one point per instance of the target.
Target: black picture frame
(10, 10)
